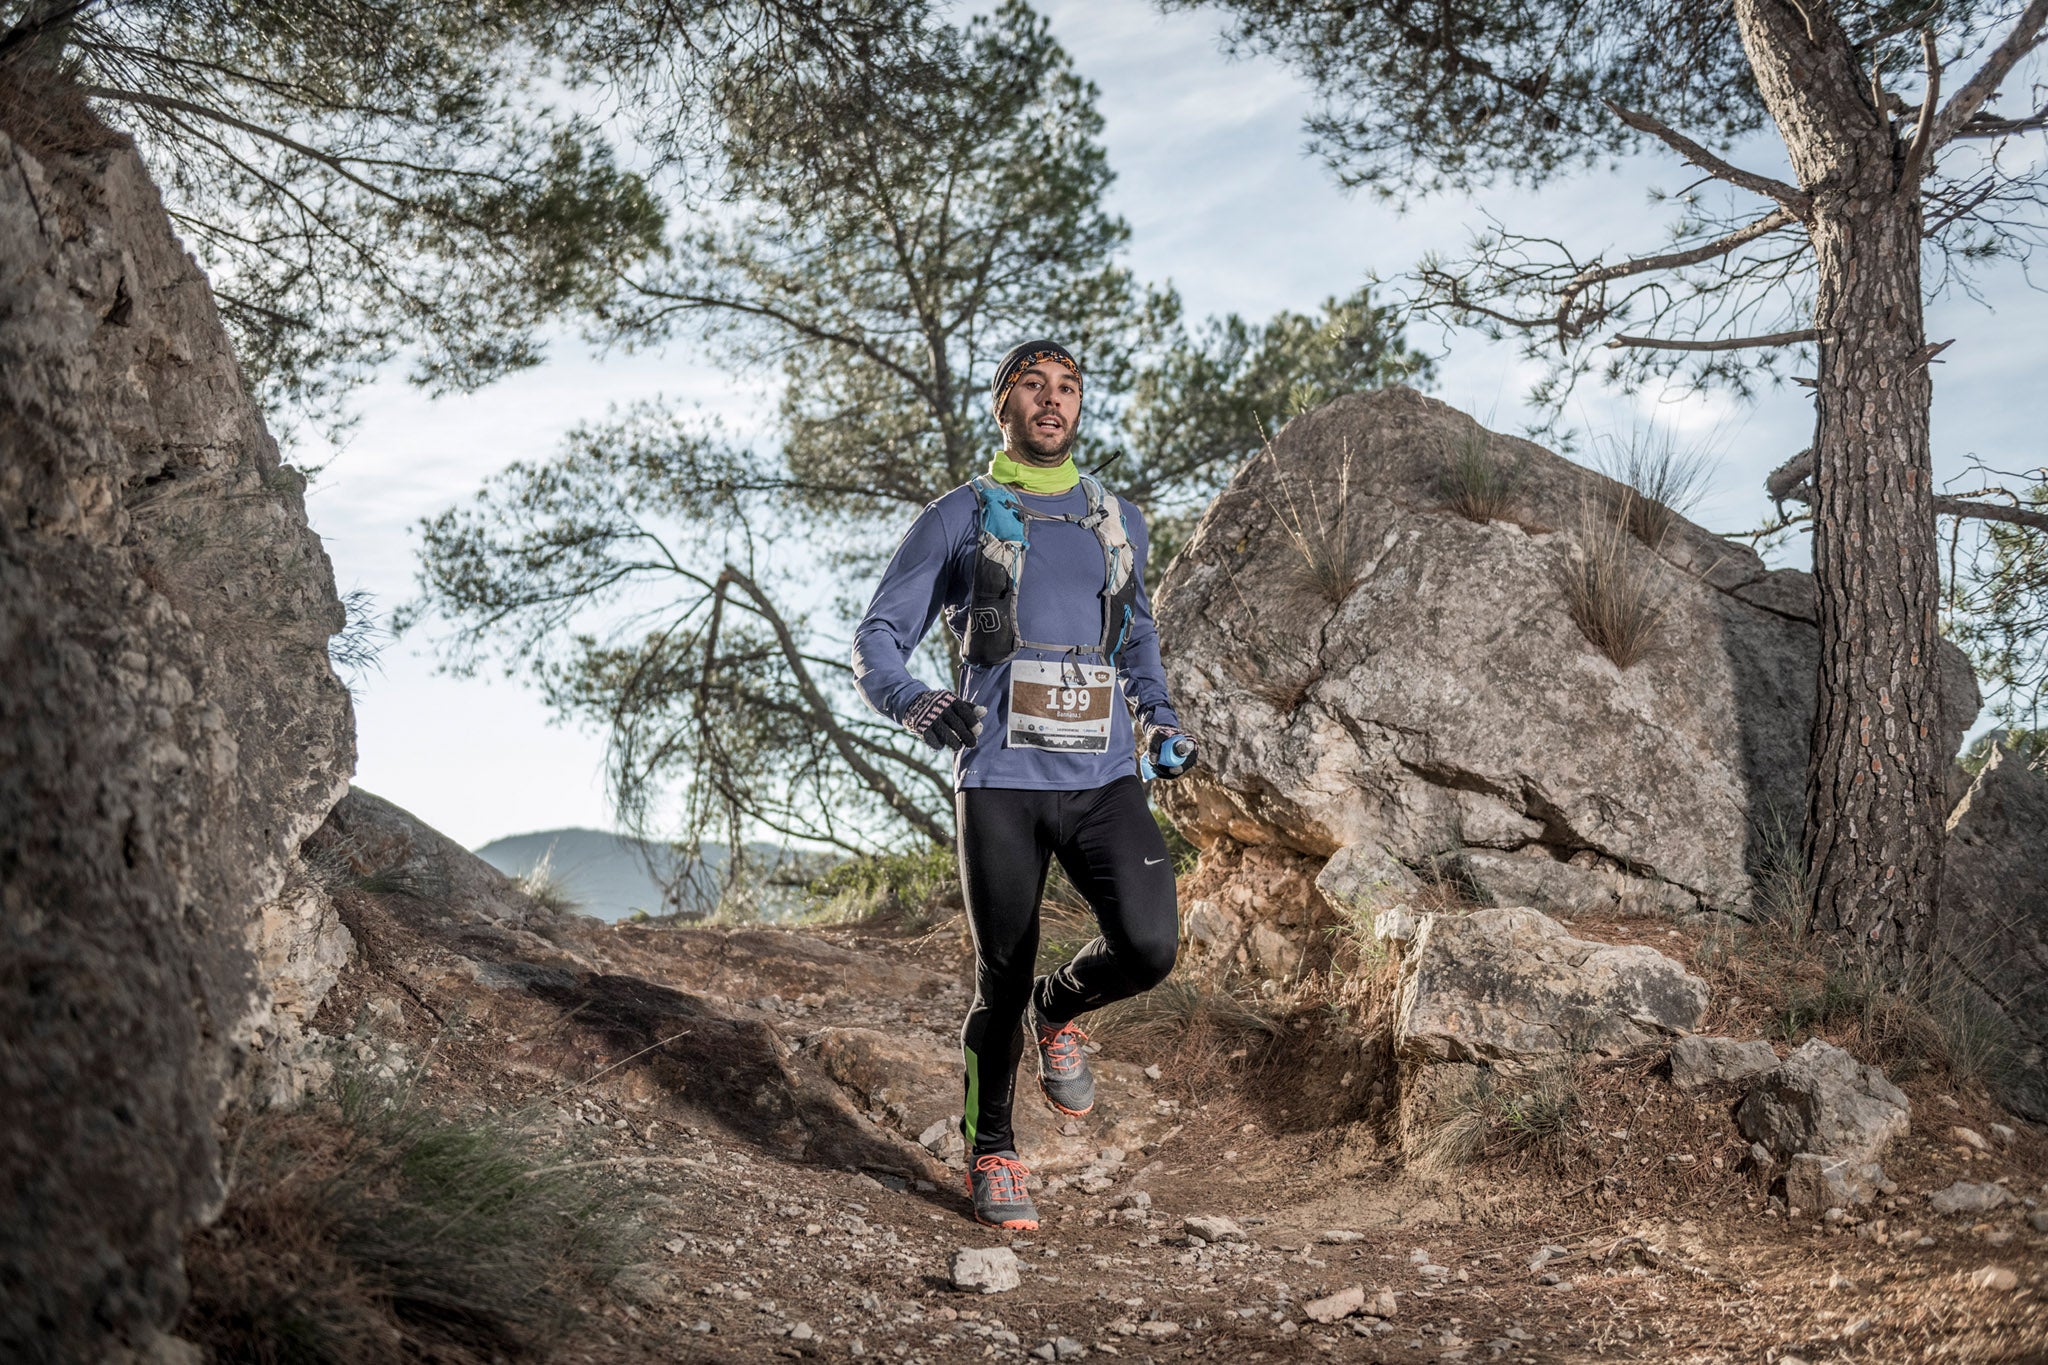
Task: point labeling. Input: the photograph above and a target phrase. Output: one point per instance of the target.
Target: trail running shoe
(996, 1184)
(1062, 1066)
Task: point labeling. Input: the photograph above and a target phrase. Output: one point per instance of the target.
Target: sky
(1223, 203)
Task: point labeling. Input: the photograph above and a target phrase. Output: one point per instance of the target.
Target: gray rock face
(1439, 702)
(1512, 986)
(1823, 1101)
(1697, 1061)
(169, 731)
(1994, 905)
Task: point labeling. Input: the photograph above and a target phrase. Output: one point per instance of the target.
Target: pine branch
(1717, 344)
(1798, 201)
(1964, 104)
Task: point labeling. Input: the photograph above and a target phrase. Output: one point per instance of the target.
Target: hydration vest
(1003, 537)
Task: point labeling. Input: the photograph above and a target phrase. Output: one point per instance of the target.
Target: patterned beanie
(1022, 358)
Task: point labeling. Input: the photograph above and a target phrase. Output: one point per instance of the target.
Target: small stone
(1153, 1073)
(1136, 1199)
(801, 1332)
(1969, 1137)
(2006, 1136)
(1967, 1197)
(1545, 1255)
(1341, 1304)
(991, 1270)
(1419, 1256)
(1383, 1305)
(1066, 1348)
(1994, 1279)
(2039, 1219)
(1213, 1229)
(1045, 1352)
(1158, 1331)
(1339, 1237)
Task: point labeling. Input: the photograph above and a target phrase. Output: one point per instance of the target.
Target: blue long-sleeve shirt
(1059, 602)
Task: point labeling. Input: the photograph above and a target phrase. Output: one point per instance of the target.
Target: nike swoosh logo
(1154, 862)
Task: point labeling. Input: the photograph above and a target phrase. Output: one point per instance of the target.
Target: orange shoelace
(1005, 1177)
(1063, 1048)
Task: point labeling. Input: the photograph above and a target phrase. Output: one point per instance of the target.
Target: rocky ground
(782, 1100)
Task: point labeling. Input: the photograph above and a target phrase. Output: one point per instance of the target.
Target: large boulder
(1512, 987)
(1994, 909)
(170, 729)
(1369, 668)
(1822, 1101)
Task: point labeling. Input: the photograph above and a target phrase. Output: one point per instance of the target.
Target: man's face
(1040, 415)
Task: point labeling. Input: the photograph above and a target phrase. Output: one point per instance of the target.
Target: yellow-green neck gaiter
(1032, 478)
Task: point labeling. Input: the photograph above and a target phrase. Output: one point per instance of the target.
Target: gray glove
(943, 720)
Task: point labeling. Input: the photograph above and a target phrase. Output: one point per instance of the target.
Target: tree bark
(1876, 778)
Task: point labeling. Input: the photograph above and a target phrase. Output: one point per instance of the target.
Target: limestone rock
(1815, 1184)
(1341, 1304)
(1543, 883)
(1445, 699)
(1994, 906)
(1213, 1228)
(988, 1270)
(1512, 986)
(1968, 1196)
(1823, 1101)
(1697, 1061)
(170, 730)
(1364, 881)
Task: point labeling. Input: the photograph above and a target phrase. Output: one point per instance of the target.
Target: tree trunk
(1875, 789)
(1875, 783)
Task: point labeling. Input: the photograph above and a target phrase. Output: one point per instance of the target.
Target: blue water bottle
(1174, 753)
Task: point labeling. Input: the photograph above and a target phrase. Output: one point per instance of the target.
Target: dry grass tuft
(1663, 482)
(367, 1229)
(545, 888)
(1326, 537)
(1478, 484)
(43, 111)
(1500, 1115)
(1932, 1020)
(1610, 586)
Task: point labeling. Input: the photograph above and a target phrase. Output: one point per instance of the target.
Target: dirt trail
(767, 1090)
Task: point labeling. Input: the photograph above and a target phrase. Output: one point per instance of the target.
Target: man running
(1040, 577)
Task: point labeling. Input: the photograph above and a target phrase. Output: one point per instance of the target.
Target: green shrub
(918, 888)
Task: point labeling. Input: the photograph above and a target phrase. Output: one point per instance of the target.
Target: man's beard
(1025, 438)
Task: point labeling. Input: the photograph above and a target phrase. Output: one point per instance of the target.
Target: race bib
(1063, 706)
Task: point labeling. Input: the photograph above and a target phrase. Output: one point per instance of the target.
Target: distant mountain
(608, 875)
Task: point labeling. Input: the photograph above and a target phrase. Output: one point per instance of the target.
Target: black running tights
(1111, 850)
